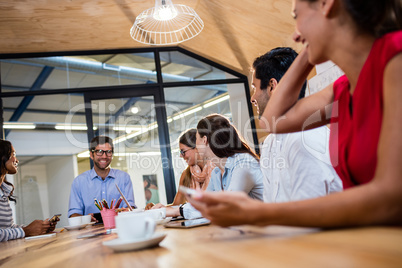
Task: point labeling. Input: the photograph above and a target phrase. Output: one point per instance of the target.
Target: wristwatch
(181, 210)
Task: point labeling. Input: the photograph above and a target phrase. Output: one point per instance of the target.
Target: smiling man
(99, 182)
(295, 165)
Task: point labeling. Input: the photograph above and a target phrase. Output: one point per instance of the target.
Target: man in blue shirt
(99, 182)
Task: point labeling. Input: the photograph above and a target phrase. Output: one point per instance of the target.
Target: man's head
(268, 70)
(101, 151)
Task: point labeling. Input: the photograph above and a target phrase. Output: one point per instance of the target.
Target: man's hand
(93, 219)
(75, 215)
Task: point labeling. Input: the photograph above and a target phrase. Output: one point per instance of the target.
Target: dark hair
(374, 16)
(274, 64)
(5, 154)
(189, 138)
(223, 138)
(100, 140)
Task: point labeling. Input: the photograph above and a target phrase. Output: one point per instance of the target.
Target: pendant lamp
(166, 24)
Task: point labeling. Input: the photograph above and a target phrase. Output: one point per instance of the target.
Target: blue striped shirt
(8, 230)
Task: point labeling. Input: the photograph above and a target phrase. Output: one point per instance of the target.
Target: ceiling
(235, 32)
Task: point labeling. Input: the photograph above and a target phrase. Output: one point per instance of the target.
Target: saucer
(76, 227)
(118, 245)
(163, 221)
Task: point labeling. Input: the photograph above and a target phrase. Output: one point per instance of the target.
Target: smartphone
(188, 223)
(54, 218)
(98, 217)
(187, 191)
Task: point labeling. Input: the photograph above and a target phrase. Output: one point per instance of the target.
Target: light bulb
(135, 110)
(165, 13)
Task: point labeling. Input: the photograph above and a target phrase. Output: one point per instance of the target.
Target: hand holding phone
(187, 191)
(55, 218)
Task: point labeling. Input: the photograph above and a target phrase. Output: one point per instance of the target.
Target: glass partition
(66, 72)
(194, 104)
(178, 67)
(49, 129)
(131, 123)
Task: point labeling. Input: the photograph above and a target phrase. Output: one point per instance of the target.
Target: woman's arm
(11, 233)
(284, 113)
(179, 198)
(377, 202)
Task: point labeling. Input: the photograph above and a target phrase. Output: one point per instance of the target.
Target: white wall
(61, 173)
(32, 194)
(139, 165)
(48, 142)
(240, 114)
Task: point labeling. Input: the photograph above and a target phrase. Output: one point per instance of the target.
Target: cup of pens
(108, 218)
(108, 212)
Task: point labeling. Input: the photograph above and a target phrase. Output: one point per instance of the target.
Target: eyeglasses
(183, 153)
(101, 152)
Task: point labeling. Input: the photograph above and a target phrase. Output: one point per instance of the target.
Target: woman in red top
(364, 39)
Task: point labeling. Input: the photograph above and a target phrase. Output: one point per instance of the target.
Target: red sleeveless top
(356, 119)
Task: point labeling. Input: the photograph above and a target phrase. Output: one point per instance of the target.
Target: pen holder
(108, 218)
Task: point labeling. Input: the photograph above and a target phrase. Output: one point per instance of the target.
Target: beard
(98, 165)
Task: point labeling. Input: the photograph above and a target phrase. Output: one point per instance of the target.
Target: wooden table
(212, 246)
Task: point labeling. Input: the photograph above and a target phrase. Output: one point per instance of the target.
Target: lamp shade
(166, 24)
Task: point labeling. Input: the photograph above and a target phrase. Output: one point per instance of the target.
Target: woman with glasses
(237, 166)
(198, 172)
(8, 229)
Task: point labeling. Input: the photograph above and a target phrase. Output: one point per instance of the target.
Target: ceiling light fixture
(186, 113)
(13, 125)
(216, 101)
(135, 110)
(166, 24)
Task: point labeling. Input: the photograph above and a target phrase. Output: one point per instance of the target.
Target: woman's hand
(37, 227)
(226, 208)
(52, 224)
(159, 205)
(149, 206)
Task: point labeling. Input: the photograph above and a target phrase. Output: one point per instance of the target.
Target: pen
(96, 204)
(118, 202)
(105, 205)
(99, 204)
(124, 198)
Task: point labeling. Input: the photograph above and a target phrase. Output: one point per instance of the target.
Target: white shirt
(296, 166)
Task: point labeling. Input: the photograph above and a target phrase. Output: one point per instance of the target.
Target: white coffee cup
(86, 219)
(74, 221)
(156, 214)
(134, 226)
